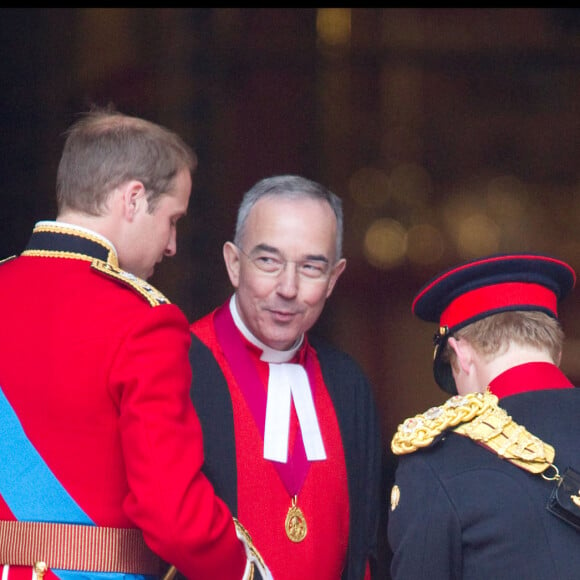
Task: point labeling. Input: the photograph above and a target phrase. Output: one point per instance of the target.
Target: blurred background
(448, 133)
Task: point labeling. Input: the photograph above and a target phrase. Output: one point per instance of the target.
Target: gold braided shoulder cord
(478, 417)
(420, 431)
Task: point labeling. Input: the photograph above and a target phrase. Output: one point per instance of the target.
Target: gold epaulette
(420, 431)
(495, 429)
(478, 417)
(150, 293)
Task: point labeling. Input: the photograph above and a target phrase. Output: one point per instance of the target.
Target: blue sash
(33, 493)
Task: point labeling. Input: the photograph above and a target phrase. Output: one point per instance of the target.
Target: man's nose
(171, 248)
(288, 280)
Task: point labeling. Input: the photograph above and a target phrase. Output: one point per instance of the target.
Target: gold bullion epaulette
(478, 417)
(420, 431)
(497, 431)
(150, 293)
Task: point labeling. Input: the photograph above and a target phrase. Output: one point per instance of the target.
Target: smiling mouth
(282, 314)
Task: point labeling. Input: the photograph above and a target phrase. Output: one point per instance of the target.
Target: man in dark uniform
(100, 447)
(291, 431)
(486, 483)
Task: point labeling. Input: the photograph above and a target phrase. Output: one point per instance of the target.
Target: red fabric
(367, 572)
(100, 382)
(529, 377)
(496, 296)
(262, 498)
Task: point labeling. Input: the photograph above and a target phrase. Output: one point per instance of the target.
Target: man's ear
(232, 260)
(337, 270)
(463, 352)
(134, 198)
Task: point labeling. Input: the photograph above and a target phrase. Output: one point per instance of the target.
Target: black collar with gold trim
(58, 240)
(52, 239)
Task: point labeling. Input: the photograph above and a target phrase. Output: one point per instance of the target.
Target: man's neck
(96, 224)
(515, 355)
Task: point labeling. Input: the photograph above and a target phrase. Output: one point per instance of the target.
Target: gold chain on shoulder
(478, 417)
(420, 431)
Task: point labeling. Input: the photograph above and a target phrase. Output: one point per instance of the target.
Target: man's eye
(313, 266)
(268, 264)
(267, 260)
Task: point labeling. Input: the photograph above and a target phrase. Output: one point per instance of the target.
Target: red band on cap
(496, 297)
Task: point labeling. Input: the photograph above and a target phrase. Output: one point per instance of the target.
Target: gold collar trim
(59, 240)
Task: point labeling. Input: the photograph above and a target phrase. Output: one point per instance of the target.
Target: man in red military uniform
(291, 431)
(101, 449)
(486, 482)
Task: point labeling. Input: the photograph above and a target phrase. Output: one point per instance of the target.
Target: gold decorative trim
(478, 417)
(62, 228)
(150, 293)
(420, 431)
(251, 550)
(57, 254)
(495, 429)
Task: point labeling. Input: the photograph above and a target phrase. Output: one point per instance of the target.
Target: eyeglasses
(274, 265)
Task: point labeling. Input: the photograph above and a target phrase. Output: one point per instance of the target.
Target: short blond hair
(493, 334)
(106, 148)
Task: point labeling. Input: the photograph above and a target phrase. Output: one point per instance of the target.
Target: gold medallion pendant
(295, 523)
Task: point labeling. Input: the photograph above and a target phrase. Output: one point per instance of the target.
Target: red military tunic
(263, 499)
(94, 383)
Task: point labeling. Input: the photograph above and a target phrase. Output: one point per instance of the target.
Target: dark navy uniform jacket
(466, 513)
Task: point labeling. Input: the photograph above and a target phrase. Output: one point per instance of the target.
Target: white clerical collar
(269, 354)
(286, 382)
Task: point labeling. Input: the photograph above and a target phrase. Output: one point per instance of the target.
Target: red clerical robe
(265, 488)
